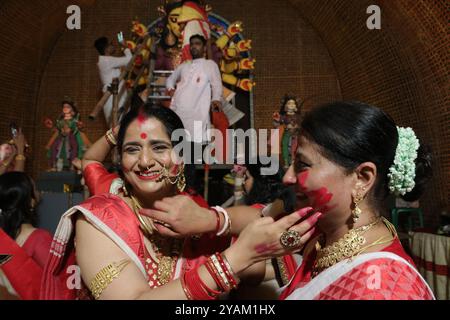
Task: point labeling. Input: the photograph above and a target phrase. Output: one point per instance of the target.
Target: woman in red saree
(123, 255)
(23, 247)
(350, 157)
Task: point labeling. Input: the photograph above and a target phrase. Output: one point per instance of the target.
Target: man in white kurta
(198, 90)
(109, 68)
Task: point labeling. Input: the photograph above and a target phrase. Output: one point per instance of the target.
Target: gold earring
(125, 191)
(356, 211)
(181, 183)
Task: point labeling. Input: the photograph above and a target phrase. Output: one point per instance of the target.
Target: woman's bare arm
(98, 151)
(258, 242)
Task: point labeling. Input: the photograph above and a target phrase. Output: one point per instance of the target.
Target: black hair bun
(424, 173)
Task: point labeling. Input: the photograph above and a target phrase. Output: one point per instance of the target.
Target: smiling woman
(350, 157)
(124, 255)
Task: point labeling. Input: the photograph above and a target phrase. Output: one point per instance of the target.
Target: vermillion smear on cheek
(320, 197)
(301, 179)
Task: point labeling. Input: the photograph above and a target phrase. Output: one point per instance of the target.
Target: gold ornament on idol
(348, 246)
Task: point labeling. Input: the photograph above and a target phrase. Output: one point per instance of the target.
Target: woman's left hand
(261, 239)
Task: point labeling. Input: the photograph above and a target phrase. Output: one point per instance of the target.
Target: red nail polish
(313, 219)
(304, 211)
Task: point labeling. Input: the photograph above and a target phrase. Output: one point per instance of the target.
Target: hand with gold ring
(290, 239)
(266, 238)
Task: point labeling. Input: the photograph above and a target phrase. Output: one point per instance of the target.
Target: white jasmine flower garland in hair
(403, 170)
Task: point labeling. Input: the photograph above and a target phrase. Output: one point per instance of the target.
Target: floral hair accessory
(403, 171)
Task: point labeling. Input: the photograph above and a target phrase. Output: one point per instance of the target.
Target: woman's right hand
(184, 216)
(260, 240)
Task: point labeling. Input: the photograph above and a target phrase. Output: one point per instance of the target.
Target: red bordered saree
(383, 275)
(111, 215)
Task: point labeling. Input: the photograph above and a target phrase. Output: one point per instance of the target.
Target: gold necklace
(166, 263)
(346, 247)
(149, 228)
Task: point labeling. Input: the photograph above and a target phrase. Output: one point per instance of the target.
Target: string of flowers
(403, 170)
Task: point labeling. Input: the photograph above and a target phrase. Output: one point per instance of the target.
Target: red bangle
(208, 293)
(211, 293)
(185, 287)
(196, 288)
(214, 274)
(218, 220)
(192, 286)
(228, 272)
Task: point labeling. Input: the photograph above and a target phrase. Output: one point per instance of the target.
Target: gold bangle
(109, 135)
(105, 276)
(20, 157)
(4, 164)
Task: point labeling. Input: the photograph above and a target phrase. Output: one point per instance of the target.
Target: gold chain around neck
(147, 225)
(346, 247)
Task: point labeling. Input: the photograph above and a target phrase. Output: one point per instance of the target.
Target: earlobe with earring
(356, 211)
(181, 183)
(180, 179)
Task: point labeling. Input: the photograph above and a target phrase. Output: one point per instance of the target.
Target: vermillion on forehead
(141, 118)
(151, 130)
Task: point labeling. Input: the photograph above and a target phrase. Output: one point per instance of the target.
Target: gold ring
(290, 239)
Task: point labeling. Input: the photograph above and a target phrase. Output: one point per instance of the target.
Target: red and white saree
(111, 215)
(385, 275)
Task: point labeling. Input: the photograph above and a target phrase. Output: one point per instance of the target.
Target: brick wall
(316, 49)
(30, 30)
(402, 68)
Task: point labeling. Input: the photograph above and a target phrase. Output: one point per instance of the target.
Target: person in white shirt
(109, 68)
(198, 90)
